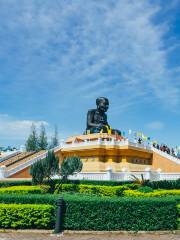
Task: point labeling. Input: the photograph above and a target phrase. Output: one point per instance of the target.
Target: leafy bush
(23, 190)
(164, 184)
(70, 166)
(101, 190)
(93, 213)
(132, 186)
(92, 189)
(84, 212)
(178, 220)
(45, 169)
(10, 183)
(145, 189)
(26, 216)
(99, 182)
(156, 193)
(30, 198)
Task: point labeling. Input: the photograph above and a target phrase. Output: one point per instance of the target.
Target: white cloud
(156, 125)
(16, 129)
(101, 47)
(59, 56)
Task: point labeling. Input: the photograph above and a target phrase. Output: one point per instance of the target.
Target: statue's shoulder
(91, 111)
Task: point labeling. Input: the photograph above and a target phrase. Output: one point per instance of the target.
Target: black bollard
(59, 216)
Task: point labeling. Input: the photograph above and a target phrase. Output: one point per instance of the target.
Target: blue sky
(57, 57)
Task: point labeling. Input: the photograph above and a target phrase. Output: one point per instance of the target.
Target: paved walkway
(107, 236)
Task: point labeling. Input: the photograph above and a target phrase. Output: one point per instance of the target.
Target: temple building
(104, 152)
(100, 152)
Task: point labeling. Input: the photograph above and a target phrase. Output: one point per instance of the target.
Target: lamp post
(59, 215)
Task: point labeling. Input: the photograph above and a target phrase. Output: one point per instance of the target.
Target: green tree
(50, 165)
(32, 141)
(37, 172)
(54, 140)
(70, 166)
(45, 169)
(42, 140)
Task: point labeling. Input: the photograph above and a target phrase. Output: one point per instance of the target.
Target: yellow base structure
(98, 152)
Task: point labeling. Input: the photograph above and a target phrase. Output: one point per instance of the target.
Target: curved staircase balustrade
(166, 155)
(16, 158)
(25, 163)
(28, 161)
(2, 159)
(20, 159)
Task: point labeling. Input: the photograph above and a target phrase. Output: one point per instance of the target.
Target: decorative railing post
(3, 172)
(159, 174)
(124, 174)
(147, 174)
(59, 216)
(109, 173)
(99, 140)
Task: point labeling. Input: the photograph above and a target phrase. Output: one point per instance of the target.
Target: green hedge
(26, 216)
(24, 190)
(156, 193)
(99, 182)
(30, 198)
(178, 221)
(164, 184)
(84, 212)
(120, 214)
(10, 183)
(95, 189)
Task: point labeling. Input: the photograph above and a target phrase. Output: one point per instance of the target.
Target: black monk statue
(97, 118)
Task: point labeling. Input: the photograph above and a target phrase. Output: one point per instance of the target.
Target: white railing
(125, 176)
(25, 164)
(101, 142)
(90, 176)
(166, 155)
(2, 159)
(169, 176)
(29, 162)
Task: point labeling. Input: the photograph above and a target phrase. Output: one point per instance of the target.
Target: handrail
(25, 164)
(30, 161)
(166, 155)
(106, 143)
(9, 156)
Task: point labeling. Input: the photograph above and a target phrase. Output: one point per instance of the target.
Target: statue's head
(102, 104)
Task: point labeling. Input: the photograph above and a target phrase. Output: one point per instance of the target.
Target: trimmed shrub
(96, 182)
(102, 190)
(178, 220)
(156, 193)
(164, 184)
(30, 198)
(10, 183)
(23, 190)
(92, 189)
(109, 214)
(26, 216)
(84, 212)
(69, 188)
(145, 189)
(132, 186)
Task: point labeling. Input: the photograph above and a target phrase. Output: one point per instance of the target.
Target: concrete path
(106, 236)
